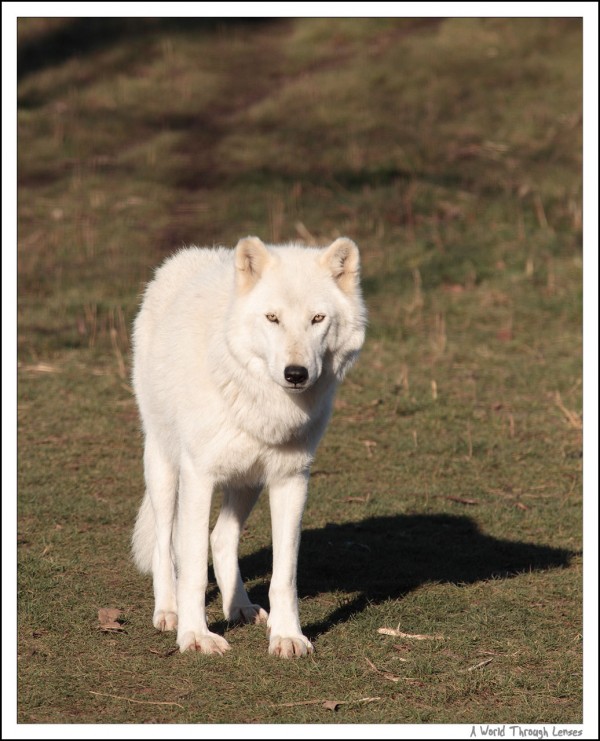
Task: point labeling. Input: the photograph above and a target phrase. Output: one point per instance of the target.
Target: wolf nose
(295, 374)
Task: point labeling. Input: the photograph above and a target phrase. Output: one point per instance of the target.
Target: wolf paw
(248, 614)
(165, 620)
(206, 643)
(290, 647)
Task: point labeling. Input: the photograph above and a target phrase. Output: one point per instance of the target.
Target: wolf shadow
(387, 557)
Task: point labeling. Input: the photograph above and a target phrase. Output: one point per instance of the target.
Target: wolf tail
(144, 537)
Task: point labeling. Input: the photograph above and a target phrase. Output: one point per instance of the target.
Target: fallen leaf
(108, 618)
(108, 614)
(331, 705)
(113, 627)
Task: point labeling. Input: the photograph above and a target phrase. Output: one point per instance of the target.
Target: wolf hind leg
(161, 489)
(237, 505)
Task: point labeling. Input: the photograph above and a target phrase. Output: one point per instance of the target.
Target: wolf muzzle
(296, 374)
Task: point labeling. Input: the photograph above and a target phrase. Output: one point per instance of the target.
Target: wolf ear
(251, 256)
(343, 261)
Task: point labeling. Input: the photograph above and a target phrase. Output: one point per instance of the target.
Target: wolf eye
(272, 318)
(318, 318)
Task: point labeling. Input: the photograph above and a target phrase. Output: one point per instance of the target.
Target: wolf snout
(296, 374)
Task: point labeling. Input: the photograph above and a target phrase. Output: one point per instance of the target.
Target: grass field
(446, 498)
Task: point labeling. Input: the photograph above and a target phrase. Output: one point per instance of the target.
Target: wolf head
(297, 312)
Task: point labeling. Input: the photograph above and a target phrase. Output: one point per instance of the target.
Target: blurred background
(451, 146)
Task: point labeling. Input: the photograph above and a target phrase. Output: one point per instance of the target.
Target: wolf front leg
(287, 498)
(195, 494)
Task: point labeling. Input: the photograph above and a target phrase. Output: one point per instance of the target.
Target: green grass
(446, 496)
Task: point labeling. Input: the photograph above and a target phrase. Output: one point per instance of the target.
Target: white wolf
(237, 354)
